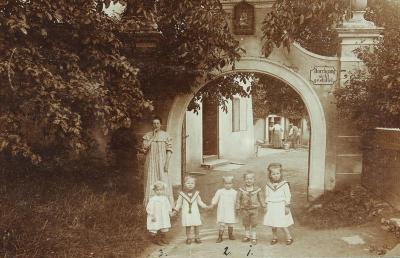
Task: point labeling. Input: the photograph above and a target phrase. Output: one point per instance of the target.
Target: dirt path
(308, 242)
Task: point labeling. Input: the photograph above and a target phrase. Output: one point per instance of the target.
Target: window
(243, 115)
(236, 115)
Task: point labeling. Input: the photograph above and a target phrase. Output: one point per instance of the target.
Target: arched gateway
(300, 85)
(335, 156)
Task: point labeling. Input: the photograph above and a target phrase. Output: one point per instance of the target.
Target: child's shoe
(274, 241)
(155, 239)
(289, 241)
(188, 241)
(197, 240)
(246, 239)
(220, 234)
(163, 238)
(230, 233)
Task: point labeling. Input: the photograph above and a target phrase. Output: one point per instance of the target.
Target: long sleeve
(260, 198)
(179, 203)
(288, 196)
(238, 200)
(266, 194)
(168, 143)
(168, 204)
(200, 202)
(215, 199)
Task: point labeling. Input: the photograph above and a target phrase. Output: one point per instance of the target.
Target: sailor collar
(277, 186)
(189, 199)
(254, 191)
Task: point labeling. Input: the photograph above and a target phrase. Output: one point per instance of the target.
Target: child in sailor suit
(277, 193)
(189, 201)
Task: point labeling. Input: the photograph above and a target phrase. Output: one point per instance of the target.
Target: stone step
(214, 163)
(207, 158)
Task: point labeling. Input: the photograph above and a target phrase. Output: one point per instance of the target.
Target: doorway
(210, 129)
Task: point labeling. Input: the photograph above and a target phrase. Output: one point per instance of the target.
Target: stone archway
(314, 107)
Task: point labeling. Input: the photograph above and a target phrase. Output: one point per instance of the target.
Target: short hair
(227, 179)
(274, 165)
(248, 173)
(187, 178)
(158, 185)
(157, 118)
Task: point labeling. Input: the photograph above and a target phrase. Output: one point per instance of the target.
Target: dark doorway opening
(210, 128)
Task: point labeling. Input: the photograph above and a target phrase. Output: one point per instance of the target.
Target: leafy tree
(62, 73)
(312, 23)
(67, 68)
(371, 96)
(272, 96)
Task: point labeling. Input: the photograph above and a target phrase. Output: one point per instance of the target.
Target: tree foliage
(371, 96)
(67, 68)
(312, 23)
(195, 42)
(62, 73)
(273, 96)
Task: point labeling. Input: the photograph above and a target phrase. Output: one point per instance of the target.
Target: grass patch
(44, 214)
(350, 206)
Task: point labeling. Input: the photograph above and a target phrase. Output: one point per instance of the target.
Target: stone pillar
(355, 33)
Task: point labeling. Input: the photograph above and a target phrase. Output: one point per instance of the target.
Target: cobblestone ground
(307, 242)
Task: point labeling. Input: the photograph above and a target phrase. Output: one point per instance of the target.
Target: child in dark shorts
(248, 202)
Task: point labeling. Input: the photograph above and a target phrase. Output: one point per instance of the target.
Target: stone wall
(381, 164)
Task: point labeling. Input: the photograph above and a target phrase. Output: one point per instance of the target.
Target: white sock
(254, 235)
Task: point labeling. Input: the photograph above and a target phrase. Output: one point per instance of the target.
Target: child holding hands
(225, 198)
(248, 202)
(189, 200)
(158, 214)
(278, 197)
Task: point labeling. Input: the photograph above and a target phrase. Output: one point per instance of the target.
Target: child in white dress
(277, 193)
(189, 200)
(226, 199)
(159, 211)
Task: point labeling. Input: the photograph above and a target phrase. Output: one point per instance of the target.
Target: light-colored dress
(159, 207)
(277, 196)
(226, 200)
(157, 147)
(190, 208)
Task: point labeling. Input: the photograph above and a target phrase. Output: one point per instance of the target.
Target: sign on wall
(323, 75)
(243, 20)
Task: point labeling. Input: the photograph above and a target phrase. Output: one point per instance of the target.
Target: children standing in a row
(247, 201)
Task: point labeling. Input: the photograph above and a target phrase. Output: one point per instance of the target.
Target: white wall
(259, 130)
(237, 145)
(194, 140)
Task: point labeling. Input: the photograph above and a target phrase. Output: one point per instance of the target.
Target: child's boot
(163, 238)
(220, 234)
(155, 239)
(230, 233)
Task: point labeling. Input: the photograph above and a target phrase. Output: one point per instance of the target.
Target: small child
(189, 200)
(278, 196)
(226, 199)
(248, 202)
(158, 214)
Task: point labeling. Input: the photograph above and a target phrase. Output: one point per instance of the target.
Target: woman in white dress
(225, 198)
(157, 145)
(158, 211)
(189, 201)
(277, 198)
